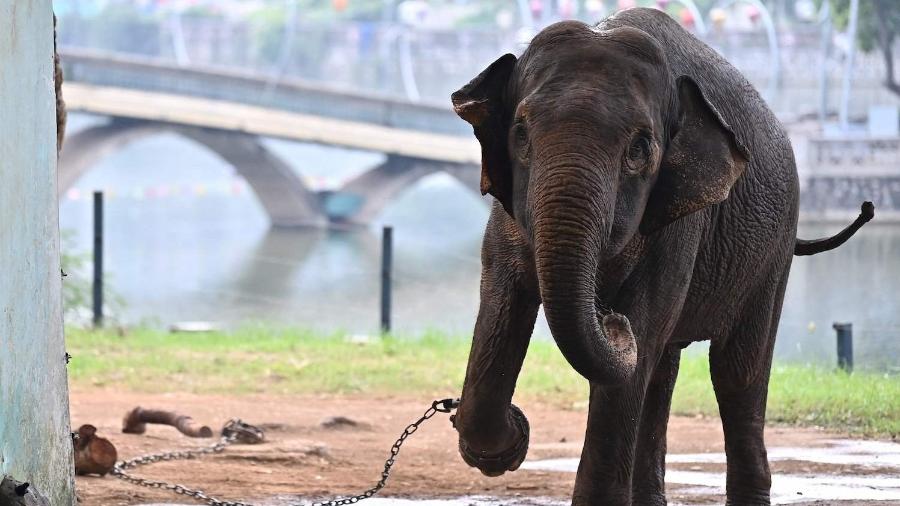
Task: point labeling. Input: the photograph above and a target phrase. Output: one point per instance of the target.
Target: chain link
(235, 431)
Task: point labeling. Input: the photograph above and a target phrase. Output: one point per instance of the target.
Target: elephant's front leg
(648, 484)
(607, 460)
(493, 436)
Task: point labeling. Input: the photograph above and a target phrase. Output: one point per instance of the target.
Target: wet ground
(840, 470)
(870, 471)
(303, 460)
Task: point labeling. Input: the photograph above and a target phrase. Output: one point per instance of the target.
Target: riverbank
(264, 360)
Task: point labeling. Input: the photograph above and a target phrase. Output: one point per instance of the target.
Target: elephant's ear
(702, 162)
(481, 104)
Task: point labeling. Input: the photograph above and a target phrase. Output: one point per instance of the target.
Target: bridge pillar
(279, 189)
(373, 190)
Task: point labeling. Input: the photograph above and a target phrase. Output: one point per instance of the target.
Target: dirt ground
(302, 458)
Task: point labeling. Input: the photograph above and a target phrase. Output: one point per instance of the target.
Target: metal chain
(236, 431)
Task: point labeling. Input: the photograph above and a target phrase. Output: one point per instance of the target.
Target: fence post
(98, 259)
(386, 264)
(844, 345)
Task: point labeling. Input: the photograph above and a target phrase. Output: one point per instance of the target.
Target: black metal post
(98, 259)
(386, 264)
(844, 345)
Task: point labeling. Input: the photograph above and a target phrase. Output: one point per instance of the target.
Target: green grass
(291, 361)
(861, 403)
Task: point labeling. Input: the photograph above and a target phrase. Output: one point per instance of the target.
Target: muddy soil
(303, 458)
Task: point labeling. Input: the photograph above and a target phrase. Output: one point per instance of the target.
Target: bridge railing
(386, 58)
(246, 87)
(428, 64)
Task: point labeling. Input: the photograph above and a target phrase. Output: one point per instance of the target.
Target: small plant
(76, 287)
(77, 296)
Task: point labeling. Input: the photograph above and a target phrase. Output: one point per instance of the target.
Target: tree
(878, 27)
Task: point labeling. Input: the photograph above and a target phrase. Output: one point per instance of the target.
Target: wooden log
(136, 421)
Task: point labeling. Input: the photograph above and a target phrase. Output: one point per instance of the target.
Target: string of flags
(236, 187)
(161, 191)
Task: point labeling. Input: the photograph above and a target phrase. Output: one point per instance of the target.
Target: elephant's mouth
(603, 308)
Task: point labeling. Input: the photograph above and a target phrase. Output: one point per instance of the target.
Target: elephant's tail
(813, 246)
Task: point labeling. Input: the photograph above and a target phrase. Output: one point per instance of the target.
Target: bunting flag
(234, 188)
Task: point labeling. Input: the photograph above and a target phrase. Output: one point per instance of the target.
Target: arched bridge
(228, 112)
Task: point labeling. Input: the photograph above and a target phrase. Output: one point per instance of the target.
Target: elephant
(647, 197)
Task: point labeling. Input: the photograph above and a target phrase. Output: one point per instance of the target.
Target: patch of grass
(861, 403)
(257, 359)
(292, 361)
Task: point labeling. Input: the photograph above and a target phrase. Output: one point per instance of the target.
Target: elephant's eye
(639, 153)
(521, 133)
(520, 138)
(640, 149)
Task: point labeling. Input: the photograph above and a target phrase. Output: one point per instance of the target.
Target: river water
(186, 240)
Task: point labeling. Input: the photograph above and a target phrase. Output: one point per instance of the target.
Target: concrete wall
(35, 445)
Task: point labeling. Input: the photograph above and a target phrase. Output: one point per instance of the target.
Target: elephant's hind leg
(740, 366)
(648, 485)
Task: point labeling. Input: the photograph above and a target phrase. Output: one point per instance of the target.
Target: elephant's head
(587, 140)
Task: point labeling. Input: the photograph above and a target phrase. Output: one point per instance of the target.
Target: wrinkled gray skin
(647, 197)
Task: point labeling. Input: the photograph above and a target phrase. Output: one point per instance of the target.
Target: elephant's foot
(495, 463)
(648, 499)
(754, 500)
(612, 498)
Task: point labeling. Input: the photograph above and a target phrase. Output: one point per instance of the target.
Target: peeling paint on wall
(35, 445)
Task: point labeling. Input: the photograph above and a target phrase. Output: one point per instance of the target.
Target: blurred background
(250, 151)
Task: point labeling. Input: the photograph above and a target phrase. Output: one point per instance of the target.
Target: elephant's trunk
(570, 223)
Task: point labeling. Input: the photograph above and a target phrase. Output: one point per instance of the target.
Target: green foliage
(203, 11)
(268, 31)
(878, 22)
(291, 361)
(878, 25)
(76, 287)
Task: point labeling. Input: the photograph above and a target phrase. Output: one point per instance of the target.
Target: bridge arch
(378, 187)
(281, 192)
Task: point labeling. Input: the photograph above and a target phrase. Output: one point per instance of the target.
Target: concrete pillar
(35, 442)
(379, 186)
(281, 192)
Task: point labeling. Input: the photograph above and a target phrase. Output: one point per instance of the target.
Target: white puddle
(791, 488)
(839, 452)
